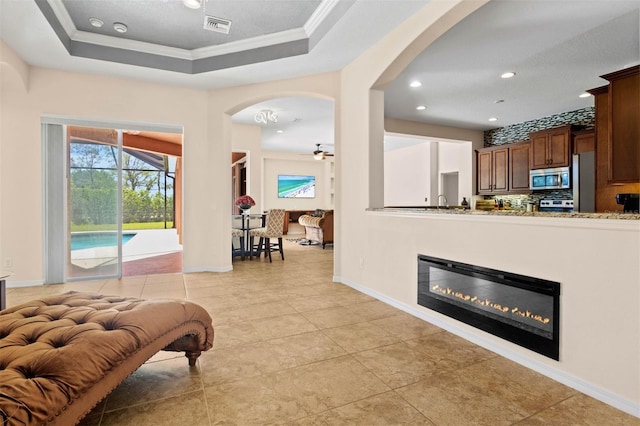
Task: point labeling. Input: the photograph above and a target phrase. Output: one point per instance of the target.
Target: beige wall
(476, 137)
(457, 157)
(407, 175)
(411, 174)
(264, 167)
(276, 163)
(222, 105)
(599, 338)
(248, 139)
(83, 96)
(375, 252)
(205, 117)
(362, 126)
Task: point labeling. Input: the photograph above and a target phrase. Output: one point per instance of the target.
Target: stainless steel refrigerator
(584, 182)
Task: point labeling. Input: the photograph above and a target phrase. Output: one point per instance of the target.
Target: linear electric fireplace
(521, 309)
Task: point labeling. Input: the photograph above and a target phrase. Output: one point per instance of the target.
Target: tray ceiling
(557, 49)
(165, 34)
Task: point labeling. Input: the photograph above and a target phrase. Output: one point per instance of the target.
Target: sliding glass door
(94, 188)
(96, 177)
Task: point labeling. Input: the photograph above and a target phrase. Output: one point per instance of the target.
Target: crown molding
(319, 16)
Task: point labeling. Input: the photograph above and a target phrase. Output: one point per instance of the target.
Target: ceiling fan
(319, 154)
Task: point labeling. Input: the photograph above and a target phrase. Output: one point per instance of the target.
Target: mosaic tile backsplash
(585, 117)
(520, 132)
(520, 201)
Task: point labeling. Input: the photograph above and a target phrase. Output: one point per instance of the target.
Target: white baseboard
(610, 398)
(16, 284)
(206, 269)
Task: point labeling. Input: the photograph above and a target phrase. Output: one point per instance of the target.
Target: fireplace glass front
(518, 308)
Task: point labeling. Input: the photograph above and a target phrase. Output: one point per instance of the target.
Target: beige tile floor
(292, 347)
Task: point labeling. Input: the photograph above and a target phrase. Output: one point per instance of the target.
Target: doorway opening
(239, 169)
(450, 187)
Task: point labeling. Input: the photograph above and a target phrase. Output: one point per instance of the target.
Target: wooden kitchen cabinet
(607, 189)
(503, 169)
(550, 148)
(584, 141)
(493, 166)
(623, 142)
(519, 167)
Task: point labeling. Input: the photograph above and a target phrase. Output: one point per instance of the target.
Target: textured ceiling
(167, 35)
(304, 122)
(349, 28)
(557, 49)
(170, 23)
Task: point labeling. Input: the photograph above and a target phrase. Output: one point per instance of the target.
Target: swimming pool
(86, 240)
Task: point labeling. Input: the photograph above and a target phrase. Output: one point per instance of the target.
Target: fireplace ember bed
(518, 308)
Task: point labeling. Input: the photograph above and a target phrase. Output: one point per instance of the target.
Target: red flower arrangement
(245, 200)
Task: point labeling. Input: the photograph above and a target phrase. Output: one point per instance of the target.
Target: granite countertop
(514, 212)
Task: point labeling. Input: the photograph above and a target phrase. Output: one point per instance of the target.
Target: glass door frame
(55, 194)
(100, 270)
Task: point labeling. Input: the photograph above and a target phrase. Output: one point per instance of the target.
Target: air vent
(218, 25)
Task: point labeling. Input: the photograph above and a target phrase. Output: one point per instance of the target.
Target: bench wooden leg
(192, 356)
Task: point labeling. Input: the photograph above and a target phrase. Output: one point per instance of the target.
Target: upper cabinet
(584, 141)
(550, 148)
(623, 139)
(503, 169)
(613, 176)
(519, 167)
(493, 174)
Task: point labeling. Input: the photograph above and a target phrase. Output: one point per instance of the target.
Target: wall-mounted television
(296, 186)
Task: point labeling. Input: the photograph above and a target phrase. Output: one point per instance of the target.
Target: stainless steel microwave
(556, 178)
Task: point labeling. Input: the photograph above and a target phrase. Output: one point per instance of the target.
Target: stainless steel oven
(556, 178)
(551, 205)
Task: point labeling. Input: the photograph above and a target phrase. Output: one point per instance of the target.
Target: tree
(91, 156)
(93, 196)
(136, 174)
(94, 183)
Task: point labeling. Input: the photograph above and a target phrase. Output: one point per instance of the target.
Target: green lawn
(125, 226)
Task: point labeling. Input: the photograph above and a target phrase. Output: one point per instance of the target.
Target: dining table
(247, 222)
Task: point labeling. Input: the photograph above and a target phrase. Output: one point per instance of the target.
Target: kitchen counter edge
(519, 213)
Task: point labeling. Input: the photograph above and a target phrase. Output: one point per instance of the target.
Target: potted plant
(245, 202)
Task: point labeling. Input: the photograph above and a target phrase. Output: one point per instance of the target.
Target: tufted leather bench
(61, 355)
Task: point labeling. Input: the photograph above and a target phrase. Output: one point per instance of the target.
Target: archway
(283, 146)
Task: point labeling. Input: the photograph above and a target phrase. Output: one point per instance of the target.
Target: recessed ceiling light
(415, 83)
(120, 27)
(585, 95)
(192, 4)
(279, 131)
(421, 107)
(96, 22)
(508, 74)
(493, 119)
